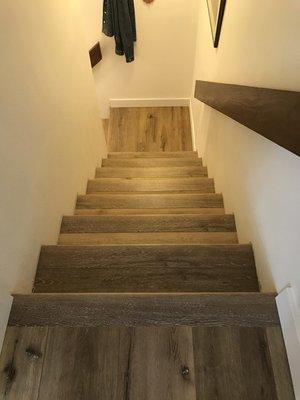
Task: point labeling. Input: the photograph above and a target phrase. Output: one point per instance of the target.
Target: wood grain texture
(156, 200)
(233, 363)
(149, 211)
(86, 363)
(118, 363)
(21, 362)
(274, 114)
(115, 269)
(174, 185)
(158, 358)
(280, 365)
(153, 154)
(151, 162)
(223, 309)
(143, 238)
(153, 362)
(150, 129)
(150, 172)
(148, 223)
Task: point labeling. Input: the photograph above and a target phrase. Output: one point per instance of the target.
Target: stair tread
(153, 154)
(152, 268)
(163, 172)
(150, 200)
(205, 309)
(144, 238)
(149, 223)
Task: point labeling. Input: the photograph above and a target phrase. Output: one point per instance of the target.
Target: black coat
(119, 21)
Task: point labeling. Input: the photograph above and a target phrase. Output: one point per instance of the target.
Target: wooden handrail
(274, 114)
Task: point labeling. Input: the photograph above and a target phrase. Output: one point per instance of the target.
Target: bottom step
(226, 309)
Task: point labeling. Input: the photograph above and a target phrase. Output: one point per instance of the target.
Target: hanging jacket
(119, 21)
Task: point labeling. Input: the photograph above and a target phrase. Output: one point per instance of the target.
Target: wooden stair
(147, 294)
(150, 231)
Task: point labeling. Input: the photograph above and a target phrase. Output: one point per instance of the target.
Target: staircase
(150, 223)
(150, 246)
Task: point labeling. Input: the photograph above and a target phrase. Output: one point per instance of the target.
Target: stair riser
(158, 223)
(146, 269)
(150, 211)
(202, 185)
(170, 238)
(151, 201)
(154, 154)
(152, 162)
(156, 172)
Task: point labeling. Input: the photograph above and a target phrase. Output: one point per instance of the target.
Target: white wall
(51, 135)
(164, 52)
(260, 180)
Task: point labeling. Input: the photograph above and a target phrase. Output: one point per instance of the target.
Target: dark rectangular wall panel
(274, 114)
(95, 54)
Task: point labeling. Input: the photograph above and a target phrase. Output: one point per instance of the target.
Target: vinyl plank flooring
(150, 172)
(21, 362)
(149, 129)
(153, 154)
(156, 200)
(201, 185)
(144, 309)
(149, 211)
(234, 363)
(280, 365)
(150, 268)
(86, 364)
(162, 365)
(147, 238)
(118, 364)
(133, 363)
(151, 162)
(148, 223)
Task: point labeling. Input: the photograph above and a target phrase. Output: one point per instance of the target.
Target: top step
(154, 154)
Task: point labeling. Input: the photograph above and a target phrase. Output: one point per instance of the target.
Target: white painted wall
(164, 52)
(260, 180)
(51, 135)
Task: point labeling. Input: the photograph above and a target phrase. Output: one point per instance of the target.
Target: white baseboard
(159, 102)
(290, 324)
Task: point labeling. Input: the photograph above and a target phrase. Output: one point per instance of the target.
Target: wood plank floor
(151, 363)
(149, 129)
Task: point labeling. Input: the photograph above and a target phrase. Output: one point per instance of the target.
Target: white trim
(290, 324)
(159, 102)
(192, 125)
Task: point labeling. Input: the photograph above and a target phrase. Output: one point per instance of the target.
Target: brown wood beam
(274, 114)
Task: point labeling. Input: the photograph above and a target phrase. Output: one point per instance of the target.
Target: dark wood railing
(274, 114)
